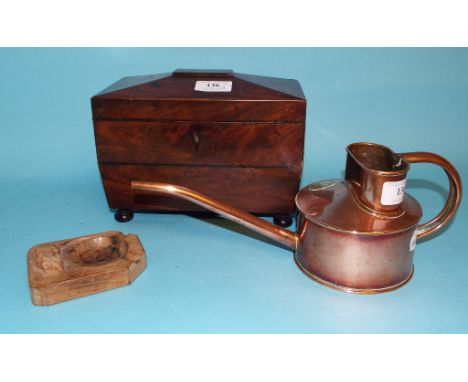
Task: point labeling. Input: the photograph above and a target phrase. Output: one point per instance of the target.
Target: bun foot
(282, 220)
(123, 216)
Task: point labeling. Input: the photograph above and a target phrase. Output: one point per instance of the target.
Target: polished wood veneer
(244, 146)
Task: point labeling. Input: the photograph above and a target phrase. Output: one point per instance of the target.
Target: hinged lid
(201, 95)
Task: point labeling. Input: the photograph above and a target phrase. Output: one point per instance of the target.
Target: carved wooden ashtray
(67, 269)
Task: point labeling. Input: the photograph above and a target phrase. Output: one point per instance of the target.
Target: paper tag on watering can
(213, 86)
(393, 192)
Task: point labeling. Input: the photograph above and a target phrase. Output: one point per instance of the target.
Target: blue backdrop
(202, 277)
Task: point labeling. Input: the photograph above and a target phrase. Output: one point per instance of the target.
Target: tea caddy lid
(334, 204)
(212, 95)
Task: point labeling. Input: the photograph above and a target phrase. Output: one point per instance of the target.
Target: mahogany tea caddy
(229, 135)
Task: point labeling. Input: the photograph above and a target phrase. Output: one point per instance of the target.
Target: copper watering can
(358, 234)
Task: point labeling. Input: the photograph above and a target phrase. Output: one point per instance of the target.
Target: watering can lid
(333, 204)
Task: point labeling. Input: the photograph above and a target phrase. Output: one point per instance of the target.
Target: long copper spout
(264, 228)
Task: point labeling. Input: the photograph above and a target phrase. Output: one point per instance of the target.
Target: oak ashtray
(71, 268)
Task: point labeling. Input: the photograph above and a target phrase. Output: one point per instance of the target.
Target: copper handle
(274, 232)
(455, 193)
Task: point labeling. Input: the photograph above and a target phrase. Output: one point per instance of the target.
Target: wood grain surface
(232, 185)
(243, 147)
(67, 269)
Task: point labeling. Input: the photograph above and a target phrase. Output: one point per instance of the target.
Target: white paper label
(412, 243)
(213, 86)
(393, 192)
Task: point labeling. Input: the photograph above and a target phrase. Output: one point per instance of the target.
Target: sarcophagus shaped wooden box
(236, 137)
